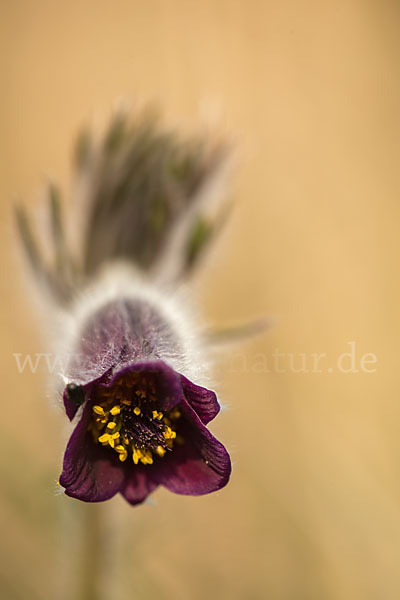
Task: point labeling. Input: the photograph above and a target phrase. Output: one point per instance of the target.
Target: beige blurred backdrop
(311, 93)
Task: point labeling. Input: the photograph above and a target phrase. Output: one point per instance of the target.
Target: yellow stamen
(146, 458)
(113, 438)
(108, 427)
(169, 434)
(135, 456)
(149, 457)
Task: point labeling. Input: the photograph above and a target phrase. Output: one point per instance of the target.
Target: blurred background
(310, 91)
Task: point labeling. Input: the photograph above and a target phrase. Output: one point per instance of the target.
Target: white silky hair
(175, 307)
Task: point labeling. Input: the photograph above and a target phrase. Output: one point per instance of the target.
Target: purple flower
(110, 287)
(142, 424)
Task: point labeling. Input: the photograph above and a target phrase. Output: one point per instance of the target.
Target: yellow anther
(109, 428)
(135, 456)
(123, 456)
(169, 434)
(112, 439)
(146, 457)
(149, 458)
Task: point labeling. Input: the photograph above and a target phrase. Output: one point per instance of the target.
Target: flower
(143, 424)
(110, 288)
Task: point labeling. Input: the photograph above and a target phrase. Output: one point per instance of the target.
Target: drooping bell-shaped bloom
(133, 395)
(143, 424)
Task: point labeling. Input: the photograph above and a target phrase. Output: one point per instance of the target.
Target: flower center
(126, 418)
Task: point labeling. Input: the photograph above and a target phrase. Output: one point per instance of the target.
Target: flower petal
(200, 465)
(138, 484)
(167, 381)
(169, 387)
(202, 400)
(90, 472)
(71, 407)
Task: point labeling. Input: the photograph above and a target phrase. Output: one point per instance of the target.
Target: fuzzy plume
(131, 386)
(144, 197)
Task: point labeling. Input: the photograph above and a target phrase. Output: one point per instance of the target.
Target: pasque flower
(143, 423)
(132, 384)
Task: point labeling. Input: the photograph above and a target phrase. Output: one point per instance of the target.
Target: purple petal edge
(201, 465)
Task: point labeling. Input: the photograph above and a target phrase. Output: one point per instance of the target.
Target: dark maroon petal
(138, 483)
(169, 386)
(71, 407)
(200, 465)
(167, 381)
(90, 472)
(202, 400)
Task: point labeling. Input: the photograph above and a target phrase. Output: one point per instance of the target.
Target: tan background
(311, 91)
